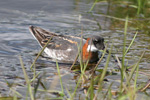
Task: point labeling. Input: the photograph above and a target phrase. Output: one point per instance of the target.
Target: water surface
(64, 17)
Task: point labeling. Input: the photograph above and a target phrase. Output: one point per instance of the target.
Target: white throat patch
(92, 48)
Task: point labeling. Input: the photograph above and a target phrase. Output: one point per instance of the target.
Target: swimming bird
(65, 47)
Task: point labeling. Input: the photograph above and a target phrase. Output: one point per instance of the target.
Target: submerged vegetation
(92, 85)
(138, 12)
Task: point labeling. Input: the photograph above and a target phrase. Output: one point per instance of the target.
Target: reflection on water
(59, 16)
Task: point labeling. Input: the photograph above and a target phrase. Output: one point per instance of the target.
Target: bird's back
(61, 47)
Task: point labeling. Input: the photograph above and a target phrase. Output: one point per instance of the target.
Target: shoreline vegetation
(138, 12)
(91, 84)
(128, 88)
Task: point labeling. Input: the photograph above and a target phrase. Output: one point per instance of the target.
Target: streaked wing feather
(62, 47)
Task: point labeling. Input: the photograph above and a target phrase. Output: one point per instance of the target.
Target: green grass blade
(106, 66)
(60, 77)
(40, 52)
(103, 74)
(35, 77)
(17, 93)
(27, 79)
(135, 67)
(136, 77)
(123, 69)
(93, 5)
(131, 43)
(99, 60)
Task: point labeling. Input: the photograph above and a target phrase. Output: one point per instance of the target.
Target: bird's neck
(88, 55)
